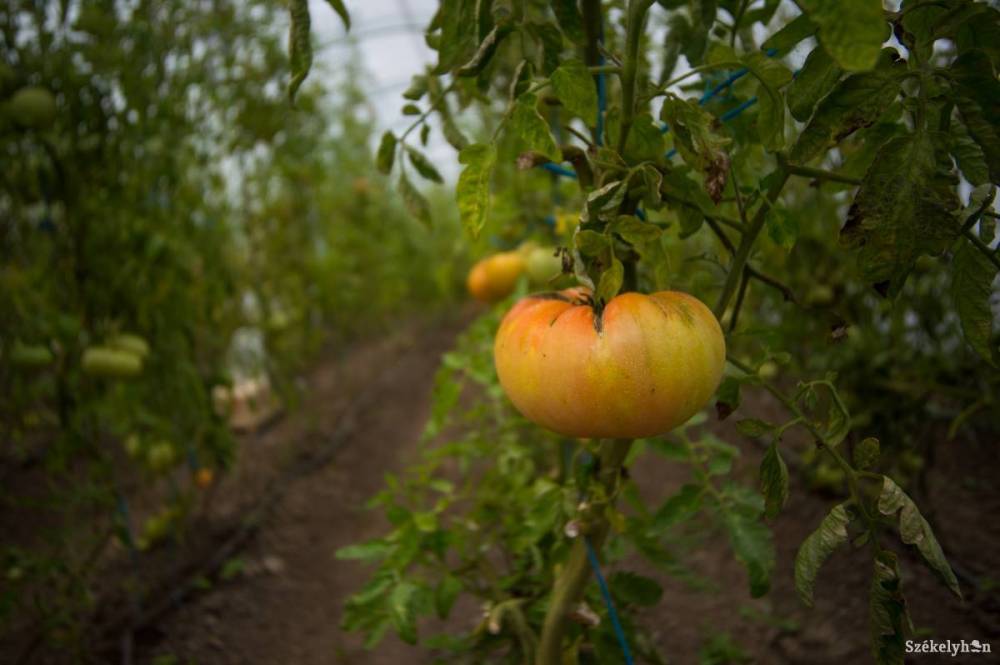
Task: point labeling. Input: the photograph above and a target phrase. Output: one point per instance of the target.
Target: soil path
(285, 607)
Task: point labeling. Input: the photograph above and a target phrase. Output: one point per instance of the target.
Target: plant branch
(749, 269)
(570, 585)
(747, 241)
(633, 35)
(820, 174)
(982, 247)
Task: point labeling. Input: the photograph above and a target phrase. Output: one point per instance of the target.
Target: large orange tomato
(644, 366)
(495, 277)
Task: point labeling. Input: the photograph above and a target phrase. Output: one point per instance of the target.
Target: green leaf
(635, 589)
(411, 109)
(702, 149)
(773, 481)
(969, 155)
(527, 124)
(423, 165)
(905, 207)
(401, 602)
(338, 6)
(817, 548)
(753, 544)
(473, 189)
(484, 54)
(866, 453)
(591, 243)
(606, 199)
(727, 397)
(816, 78)
(856, 102)
(753, 427)
(792, 33)
(852, 31)
(521, 80)
(971, 288)
(574, 86)
(414, 201)
(887, 610)
(551, 40)
(782, 226)
(680, 507)
(771, 105)
(645, 142)
(386, 153)
(914, 530)
(445, 595)
(570, 21)
(459, 35)
(370, 551)
(299, 45)
(637, 233)
(978, 104)
(611, 281)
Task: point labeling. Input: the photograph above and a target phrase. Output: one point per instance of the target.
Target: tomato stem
(569, 586)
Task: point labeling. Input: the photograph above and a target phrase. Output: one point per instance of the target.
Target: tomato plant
(816, 173)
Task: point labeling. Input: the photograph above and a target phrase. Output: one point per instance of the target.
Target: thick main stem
(569, 587)
(630, 70)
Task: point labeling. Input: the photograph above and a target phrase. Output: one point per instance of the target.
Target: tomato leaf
(816, 78)
(338, 6)
(978, 104)
(473, 190)
(817, 548)
(299, 45)
(904, 208)
(458, 34)
(773, 481)
(727, 397)
(851, 31)
(866, 453)
(529, 126)
(914, 530)
(414, 201)
(401, 611)
(753, 544)
(386, 153)
(611, 280)
(782, 226)
(423, 165)
(791, 33)
(574, 86)
(645, 142)
(771, 74)
(754, 427)
(971, 288)
(887, 610)
(570, 22)
(679, 507)
(700, 147)
(856, 102)
(445, 595)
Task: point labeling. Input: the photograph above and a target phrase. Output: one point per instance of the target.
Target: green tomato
(30, 356)
(542, 265)
(819, 294)
(768, 370)
(113, 363)
(161, 456)
(130, 343)
(32, 108)
(133, 446)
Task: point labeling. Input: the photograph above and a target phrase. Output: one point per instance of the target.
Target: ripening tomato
(643, 366)
(495, 277)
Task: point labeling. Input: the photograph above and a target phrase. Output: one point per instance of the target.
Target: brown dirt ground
(362, 417)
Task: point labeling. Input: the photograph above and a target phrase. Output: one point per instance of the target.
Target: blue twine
(612, 613)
